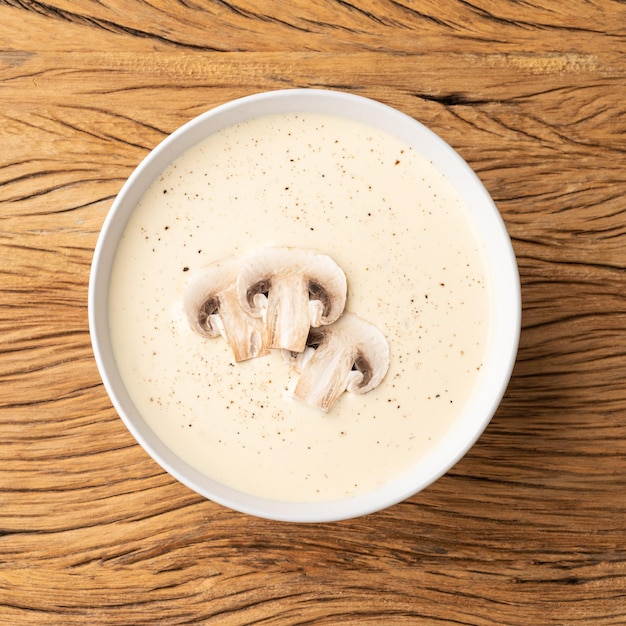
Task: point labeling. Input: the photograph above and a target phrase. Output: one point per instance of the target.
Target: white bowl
(500, 261)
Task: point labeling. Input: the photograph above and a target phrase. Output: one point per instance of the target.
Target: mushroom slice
(291, 289)
(212, 309)
(349, 355)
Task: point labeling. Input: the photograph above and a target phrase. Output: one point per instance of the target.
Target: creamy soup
(414, 266)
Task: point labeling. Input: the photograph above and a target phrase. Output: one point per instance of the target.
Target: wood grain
(529, 528)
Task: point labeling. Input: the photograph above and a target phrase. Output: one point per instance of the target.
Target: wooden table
(529, 528)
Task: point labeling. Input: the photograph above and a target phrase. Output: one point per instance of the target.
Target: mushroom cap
(212, 309)
(291, 289)
(201, 292)
(324, 279)
(371, 350)
(349, 355)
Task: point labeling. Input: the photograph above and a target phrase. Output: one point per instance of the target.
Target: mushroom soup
(414, 269)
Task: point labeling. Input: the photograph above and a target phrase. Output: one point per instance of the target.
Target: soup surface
(414, 267)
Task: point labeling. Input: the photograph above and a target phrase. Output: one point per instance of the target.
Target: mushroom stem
(244, 334)
(325, 376)
(287, 316)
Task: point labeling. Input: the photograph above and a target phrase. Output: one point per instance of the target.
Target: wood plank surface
(529, 528)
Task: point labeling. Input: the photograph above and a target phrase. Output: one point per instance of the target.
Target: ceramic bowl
(500, 261)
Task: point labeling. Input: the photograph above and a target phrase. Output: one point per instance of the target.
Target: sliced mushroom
(291, 289)
(212, 308)
(349, 355)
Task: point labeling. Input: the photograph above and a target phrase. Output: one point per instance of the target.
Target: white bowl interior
(500, 261)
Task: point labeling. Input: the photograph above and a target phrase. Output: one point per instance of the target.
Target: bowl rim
(505, 283)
